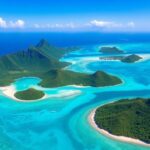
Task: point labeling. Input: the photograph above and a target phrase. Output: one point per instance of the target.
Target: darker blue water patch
(11, 42)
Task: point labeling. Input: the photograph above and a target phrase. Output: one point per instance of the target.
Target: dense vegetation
(31, 62)
(30, 94)
(42, 61)
(40, 58)
(126, 117)
(110, 50)
(131, 58)
(55, 78)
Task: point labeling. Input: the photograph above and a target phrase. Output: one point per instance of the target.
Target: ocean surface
(60, 122)
(11, 42)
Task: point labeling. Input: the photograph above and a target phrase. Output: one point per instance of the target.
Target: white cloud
(17, 24)
(98, 23)
(11, 24)
(131, 24)
(92, 25)
(57, 26)
(36, 25)
(109, 24)
(20, 23)
(3, 23)
(71, 25)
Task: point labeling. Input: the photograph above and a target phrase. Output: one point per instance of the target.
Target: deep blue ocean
(10, 42)
(61, 120)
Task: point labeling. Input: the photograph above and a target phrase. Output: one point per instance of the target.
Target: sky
(75, 15)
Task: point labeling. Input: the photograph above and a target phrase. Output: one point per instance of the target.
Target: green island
(125, 59)
(131, 58)
(111, 50)
(34, 61)
(42, 61)
(30, 94)
(130, 118)
(56, 78)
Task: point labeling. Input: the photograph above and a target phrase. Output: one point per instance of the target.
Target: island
(111, 50)
(29, 94)
(57, 77)
(31, 62)
(125, 59)
(125, 118)
(131, 58)
(42, 61)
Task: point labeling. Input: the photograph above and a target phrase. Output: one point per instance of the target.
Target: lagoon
(59, 122)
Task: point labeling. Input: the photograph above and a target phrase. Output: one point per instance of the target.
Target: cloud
(109, 24)
(3, 23)
(131, 24)
(98, 23)
(93, 25)
(11, 24)
(55, 26)
(17, 24)
(36, 25)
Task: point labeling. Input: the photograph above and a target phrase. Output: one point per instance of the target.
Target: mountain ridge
(42, 61)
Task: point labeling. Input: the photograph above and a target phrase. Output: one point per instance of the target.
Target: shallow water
(61, 123)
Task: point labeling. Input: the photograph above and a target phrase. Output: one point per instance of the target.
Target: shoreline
(114, 137)
(9, 92)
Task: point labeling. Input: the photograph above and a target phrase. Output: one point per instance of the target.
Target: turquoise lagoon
(60, 122)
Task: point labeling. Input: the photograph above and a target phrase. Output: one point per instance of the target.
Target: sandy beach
(106, 133)
(144, 57)
(9, 91)
(79, 86)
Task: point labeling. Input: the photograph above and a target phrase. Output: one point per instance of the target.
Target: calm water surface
(62, 123)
